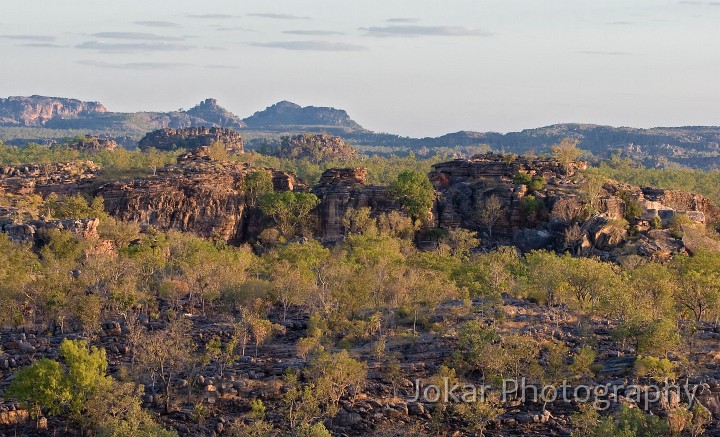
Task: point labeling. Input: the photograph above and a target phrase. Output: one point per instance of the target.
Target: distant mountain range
(44, 119)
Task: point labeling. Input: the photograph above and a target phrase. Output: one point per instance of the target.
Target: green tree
(415, 192)
(288, 209)
(479, 414)
(166, 353)
(17, 264)
(699, 292)
(42, 385)
(82, 388)
(334, 375)
(299, 402)
(116, 411)
(256, 184)
(566, 151)
(489, 211)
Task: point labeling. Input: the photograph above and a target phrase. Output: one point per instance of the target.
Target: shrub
(656, 368)
(521, 178)
(537, 183)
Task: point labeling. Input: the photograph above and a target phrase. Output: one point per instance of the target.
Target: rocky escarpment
(92, 143)
(542, 203)
(341, 189)
(35, 111)
(192, 138)
(681, 201)
(197, 195)
(211, 112)
(290, 114)
(316, 148)
(464, 184)
(38, 231)
(547, 205)
(59, 178)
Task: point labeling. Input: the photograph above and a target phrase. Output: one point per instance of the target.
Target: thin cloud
(313, 32)
(45, 45)
(46, 38)
(132, 47)
(402, 20)
(234, 29)
(212, 16)
(621, 23)
(415, 31)
(318, 46)
(699, 3)
(135, 65)
(603, 53)
(136, 36)
(157, 23)
(220, 67)
(278, 16)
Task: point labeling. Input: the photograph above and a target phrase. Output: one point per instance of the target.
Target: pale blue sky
(414, 67)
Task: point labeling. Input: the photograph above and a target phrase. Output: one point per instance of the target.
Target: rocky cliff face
(681, 201)
(341, 189)
(36, 111)
(537, 215)
(540, 202)
(192, 138)
(290, 114)
(464, 184)
(197, 195)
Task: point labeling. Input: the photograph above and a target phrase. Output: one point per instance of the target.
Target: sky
(409, 67)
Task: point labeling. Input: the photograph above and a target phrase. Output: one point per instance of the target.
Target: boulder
(603, 233)
(532, 239)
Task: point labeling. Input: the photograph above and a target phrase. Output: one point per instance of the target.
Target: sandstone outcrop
(215, 115)
(35, 111)
(316, 148)
(682, 201)
(343, 189)
(287, 113)
(525, 218)
(92, 143)
(37, 231)
(192, 138)
(205, 197)
(464, 184)
(61, 178)
(197, 195)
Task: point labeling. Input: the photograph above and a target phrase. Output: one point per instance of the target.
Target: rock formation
(215, 115)
(316, 148)
(37, 231)
(343, 189)
(682, 201)
(290, 114)
(541, 200)
(92, 143)
(35, 111)
(192, 138)
(464, 184)
(197, 195)
(60, 178)
(526, 216)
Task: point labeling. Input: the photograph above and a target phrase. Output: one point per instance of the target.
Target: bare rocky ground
(374, 410)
